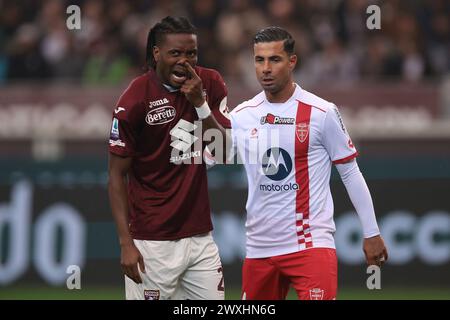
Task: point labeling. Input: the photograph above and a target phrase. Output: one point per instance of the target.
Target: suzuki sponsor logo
(273, 119)
(157, 103)
(185, 156)
(182, 142)
(182, 139)
(160, 115)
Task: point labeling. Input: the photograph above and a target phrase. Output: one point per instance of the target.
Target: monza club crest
(316, 294)
(302, 131)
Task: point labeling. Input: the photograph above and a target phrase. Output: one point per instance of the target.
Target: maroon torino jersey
(167, 201)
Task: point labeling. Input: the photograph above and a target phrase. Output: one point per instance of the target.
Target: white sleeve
(232, 149)
(360, 196)
(336, 139)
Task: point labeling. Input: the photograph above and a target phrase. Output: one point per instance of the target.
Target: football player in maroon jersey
(160, 204)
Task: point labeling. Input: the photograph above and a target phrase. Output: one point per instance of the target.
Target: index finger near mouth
(191, 70)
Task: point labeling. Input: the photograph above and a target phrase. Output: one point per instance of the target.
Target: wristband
(203, 111)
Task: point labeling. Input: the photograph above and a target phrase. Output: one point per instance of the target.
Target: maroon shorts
(312, 273)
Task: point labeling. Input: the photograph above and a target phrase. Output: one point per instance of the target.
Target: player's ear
(156, 53)
(292, 61)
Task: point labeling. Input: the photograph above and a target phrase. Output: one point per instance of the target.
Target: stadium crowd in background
(333, 40)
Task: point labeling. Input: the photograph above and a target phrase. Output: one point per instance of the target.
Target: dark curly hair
(167, 25)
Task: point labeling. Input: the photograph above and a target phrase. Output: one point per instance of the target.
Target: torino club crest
(302, 130)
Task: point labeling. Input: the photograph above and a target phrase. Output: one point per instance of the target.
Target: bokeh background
(58, 88)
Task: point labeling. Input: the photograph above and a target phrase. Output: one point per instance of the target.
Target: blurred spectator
(333, 43)
(25, 59)
(106, 65)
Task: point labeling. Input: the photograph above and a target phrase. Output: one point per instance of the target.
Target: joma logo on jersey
(160, 115)
(273, 119)
(157, 103)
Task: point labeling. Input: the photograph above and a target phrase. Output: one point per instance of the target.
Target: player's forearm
(360, 196)
(212, 123)
(118, 199)
(219, 146)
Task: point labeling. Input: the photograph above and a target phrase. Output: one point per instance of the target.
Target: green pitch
(115, 293)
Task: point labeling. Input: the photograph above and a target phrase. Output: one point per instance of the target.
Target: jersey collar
(170, 88)
(294, 96)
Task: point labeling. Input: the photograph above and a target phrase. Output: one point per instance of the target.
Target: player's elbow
(348, 170)
(116, 180)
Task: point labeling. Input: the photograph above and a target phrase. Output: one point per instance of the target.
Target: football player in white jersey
(288, 140)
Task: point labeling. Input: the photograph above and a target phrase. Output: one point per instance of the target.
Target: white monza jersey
(288, 150)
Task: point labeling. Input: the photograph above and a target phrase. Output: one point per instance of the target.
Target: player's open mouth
(267, 80)
(179, 76)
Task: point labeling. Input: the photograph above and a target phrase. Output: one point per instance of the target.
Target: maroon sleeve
(126, 123)
(216, 95)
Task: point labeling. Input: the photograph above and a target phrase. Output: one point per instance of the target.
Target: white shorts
(188, 268)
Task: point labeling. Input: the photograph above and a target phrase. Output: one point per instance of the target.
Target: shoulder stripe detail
(250, 107)
(312, 106)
